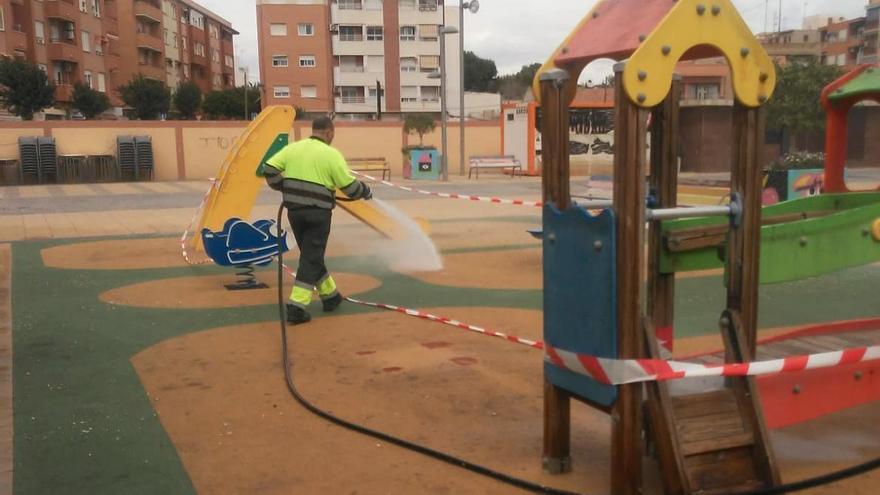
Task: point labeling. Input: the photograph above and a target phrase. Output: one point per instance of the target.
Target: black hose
(455, 461)
(476, 468)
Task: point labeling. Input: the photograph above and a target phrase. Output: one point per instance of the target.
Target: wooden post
(629, 206)
(744, 250)
(663, 185)
(661, 287)
(555, 185)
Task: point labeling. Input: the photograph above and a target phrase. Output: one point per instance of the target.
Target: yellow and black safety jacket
(308, 173)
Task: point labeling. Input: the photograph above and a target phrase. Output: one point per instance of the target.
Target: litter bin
(425, 164)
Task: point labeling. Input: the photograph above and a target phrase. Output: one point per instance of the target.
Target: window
(218, 81)
(431, 93)
(199, 49)
(351, 33)
(196, 19)
(428, 5)
(429, 32)
(99, 45)
(87, 78)
(167, 38)
(376, 63)
(215, 55)
(43, 67)
(407, 4)
(306, 29)
(279, 61)
(307, 61)
(230, 62)
(40, 32)
(102, 82)
(705, 91)
(176, 41)
(407, 33)
(183, 45)
(281, 91)
(841, 59)
(2, 19)
(350, 5)
(278, 29)
(84, 6)
(375, 33)
(430, 63)
(409, 94)
(96, 8)
(215, 33)
(373, 4)
(409, 64)
(308, 92)
(186, 71)
(86, 41)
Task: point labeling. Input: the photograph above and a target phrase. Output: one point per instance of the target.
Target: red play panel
(613, 31)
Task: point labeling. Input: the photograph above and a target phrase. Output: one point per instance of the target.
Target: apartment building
(794, 45)
(871, 33)
(354, 57)
(842, 42)
(105, 43)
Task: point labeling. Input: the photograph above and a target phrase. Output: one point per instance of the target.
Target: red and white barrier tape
(486, 199)
(450, 322)
(621, 372)
(186, 233)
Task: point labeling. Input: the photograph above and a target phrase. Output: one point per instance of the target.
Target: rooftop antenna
(766, 15)
(779, 28)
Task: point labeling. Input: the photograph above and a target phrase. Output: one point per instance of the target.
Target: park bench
(496, 161)
(370, 165)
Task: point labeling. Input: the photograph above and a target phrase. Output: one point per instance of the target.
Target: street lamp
(244, 71)
(474, 7)
(441, 74)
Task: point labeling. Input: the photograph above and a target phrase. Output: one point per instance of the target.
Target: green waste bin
(425, 164)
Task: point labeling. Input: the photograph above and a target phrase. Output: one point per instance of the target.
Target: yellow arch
(647, 77)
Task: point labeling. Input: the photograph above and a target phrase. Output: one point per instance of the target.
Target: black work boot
(332, 303)
(297, 315)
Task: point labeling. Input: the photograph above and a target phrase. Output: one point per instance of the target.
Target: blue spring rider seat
(243, 246)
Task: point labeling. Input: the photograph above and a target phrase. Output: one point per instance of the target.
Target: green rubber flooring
(84, 424)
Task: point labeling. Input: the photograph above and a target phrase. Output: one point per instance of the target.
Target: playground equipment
(714, 440)
(238, 182)
(862, 84)
(244, 246)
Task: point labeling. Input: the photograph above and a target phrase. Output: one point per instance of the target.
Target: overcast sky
(514, 33)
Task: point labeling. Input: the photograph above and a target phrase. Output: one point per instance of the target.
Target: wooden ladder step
(716, 442)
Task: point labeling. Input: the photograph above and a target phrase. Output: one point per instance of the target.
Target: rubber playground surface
(136, 373)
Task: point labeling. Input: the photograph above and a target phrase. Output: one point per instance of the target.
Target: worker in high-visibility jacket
(308, 173)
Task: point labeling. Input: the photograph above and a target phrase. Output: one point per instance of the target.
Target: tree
(229, 103)
(188, 99)
(515, 86)
(795, 106)
(221, 105)
(479, 73)
(89, 102)
(148, 98)
(420, 123)
(24, 88)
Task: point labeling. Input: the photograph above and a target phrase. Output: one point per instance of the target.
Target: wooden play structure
(709, 438)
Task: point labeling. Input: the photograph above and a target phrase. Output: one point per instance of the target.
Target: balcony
(355, 13)
(416, 105)
(356, 104)
(151, 70)
(149, 42)
(357, 76)
(356, 45)
(872, 26)
(147, 11)
(199, 60)
(64, 92)
(63, 52)
(17, 40)
(59, 9)
(417, 48)
(421, 13)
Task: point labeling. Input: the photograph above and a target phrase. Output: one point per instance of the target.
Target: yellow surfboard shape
(237, 186)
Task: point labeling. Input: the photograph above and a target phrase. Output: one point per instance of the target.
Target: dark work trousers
(311, 228)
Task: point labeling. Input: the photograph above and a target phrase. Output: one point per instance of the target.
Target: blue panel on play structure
(580, 294)
(241, 243)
